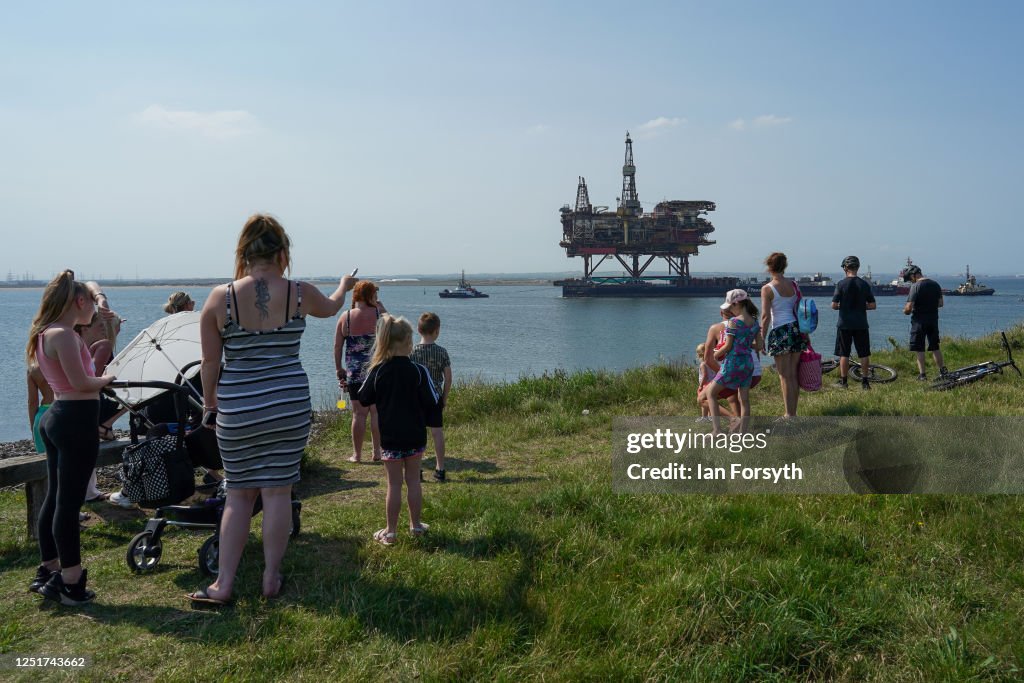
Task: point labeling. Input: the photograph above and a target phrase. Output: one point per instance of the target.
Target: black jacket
(406, 402)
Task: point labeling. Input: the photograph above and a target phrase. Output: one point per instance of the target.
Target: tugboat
(900, 284)
(972, 288)
(463, 291)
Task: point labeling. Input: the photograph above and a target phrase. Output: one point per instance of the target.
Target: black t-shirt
(405, 398)
(853, 294)
(925, 294)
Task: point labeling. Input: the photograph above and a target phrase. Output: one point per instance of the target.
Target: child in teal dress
(737, 370)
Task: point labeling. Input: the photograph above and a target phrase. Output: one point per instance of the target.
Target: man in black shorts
(853, 299)
(923, 304)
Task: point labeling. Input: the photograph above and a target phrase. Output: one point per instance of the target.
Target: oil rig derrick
(673, 232)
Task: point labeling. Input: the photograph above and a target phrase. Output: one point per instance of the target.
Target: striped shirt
(435, 358)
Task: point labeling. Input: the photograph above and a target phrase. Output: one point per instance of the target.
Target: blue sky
(429, 137)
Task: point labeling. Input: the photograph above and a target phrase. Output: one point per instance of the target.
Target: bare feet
(273, 588)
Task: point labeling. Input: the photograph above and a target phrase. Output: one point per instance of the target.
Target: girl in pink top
(69, 433)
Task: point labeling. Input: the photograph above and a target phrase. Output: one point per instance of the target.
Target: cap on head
(851, 263)
(734, 296)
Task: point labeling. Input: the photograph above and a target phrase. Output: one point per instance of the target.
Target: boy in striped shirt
(435, 358)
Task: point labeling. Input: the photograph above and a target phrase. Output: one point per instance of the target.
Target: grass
(535, 569)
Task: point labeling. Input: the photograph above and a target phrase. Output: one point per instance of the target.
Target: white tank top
(782, 308)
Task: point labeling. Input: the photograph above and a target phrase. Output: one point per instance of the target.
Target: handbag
(809, 371)
(157, 471)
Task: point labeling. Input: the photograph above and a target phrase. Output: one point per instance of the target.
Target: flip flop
(353, 458)
(384, 538)
(106, 433)
(419, 530)
(201, 599)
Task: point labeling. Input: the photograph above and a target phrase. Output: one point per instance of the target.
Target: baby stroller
(159, 471)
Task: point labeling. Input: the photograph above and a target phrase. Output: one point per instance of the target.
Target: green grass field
(534, 569)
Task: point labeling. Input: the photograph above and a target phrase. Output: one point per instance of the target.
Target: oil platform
(673, 233)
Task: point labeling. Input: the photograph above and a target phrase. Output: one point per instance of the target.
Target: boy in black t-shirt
(853, 299)
(923, 304)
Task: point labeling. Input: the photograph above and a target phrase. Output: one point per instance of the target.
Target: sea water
(519, 330)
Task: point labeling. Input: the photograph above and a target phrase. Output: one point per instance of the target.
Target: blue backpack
(807, 315)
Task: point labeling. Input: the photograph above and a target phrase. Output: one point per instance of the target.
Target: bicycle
(882, 374)
(973, 373)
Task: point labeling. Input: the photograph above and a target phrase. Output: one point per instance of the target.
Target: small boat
(971, 287)
(901, 285)
(463, 291)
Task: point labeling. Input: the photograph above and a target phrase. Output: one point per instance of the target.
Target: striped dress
(264, 410)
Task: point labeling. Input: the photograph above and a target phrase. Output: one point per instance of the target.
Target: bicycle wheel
(878, 373)
(829, 365)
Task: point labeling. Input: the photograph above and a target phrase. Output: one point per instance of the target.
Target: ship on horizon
(464, 290)
(971, 287)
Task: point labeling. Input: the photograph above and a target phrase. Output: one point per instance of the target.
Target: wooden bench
(31, 471)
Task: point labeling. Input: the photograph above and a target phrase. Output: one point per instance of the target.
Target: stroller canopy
(167, 351)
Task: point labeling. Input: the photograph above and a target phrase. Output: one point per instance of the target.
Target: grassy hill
(535, 569)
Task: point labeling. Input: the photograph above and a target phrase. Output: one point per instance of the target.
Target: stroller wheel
(143, 552)
(209, 556)
(296, 518)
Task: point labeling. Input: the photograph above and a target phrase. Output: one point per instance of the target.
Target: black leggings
(72, 446)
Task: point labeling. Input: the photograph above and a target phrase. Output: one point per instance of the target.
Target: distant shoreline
(403, 282)
(426, 281)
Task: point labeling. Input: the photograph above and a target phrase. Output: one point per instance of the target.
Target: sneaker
(922, 377)
(118, 498)
(42, 576)
(67, 594)
(439, 476)
(865, 385)
(841, 383)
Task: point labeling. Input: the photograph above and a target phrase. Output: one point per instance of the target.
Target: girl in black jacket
(406, 403)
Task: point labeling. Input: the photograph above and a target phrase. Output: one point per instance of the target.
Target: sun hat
(734, 296)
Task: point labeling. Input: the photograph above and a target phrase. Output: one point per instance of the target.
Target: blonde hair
(58, 297)
(177, 302)
(700, 351)
(262, 239)
(392, 333)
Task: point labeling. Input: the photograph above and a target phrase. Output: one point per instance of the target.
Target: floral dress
(738, 366)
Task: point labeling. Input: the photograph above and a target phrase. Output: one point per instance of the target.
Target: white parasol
(162, 352)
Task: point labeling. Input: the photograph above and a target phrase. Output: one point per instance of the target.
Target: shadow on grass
(320, 479)
(463, 465)
(331, 576)
(524, 479)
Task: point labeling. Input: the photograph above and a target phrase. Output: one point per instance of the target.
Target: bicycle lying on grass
(878, 373)
(973, 373)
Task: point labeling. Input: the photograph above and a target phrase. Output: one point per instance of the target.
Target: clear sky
(426, 137)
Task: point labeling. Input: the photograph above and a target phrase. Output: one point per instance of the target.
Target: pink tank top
(54, 372)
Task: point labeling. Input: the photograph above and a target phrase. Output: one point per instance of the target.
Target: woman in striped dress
(260, 400)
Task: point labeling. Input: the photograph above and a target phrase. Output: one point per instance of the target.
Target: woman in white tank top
(783, 339)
